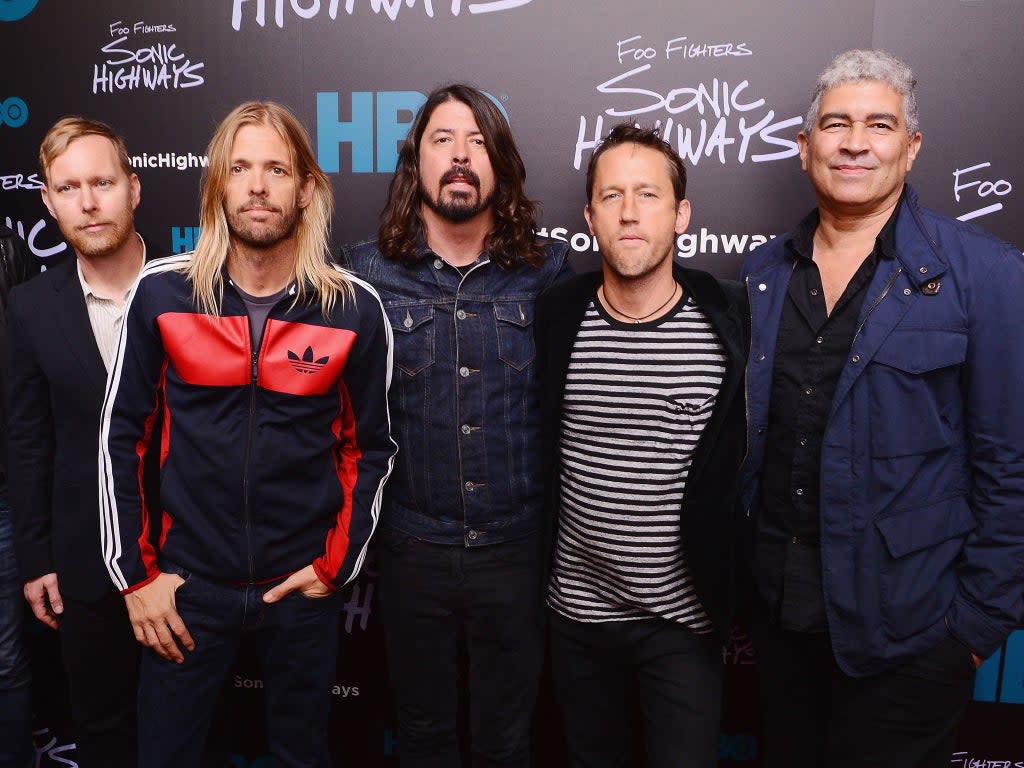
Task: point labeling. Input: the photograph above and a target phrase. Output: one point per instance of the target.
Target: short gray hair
(860, 65)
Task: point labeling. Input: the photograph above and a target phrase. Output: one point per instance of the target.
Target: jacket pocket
(918, 564)
(514, 321)
(915, 392)
(413, 326)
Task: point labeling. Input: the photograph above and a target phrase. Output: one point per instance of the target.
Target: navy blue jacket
(922, 461)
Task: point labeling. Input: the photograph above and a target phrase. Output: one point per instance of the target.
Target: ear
(305, 195)
(802, 142)
(682, 216)
(913, 149)
(45, 194)
(136, 188)
(586, 215)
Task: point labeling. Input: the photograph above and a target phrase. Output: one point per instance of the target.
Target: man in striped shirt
(641, 367)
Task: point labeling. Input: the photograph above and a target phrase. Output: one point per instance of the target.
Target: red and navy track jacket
(270, 459)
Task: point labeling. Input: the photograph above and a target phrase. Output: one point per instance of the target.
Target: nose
(460, 151)
(257, 184)
(87, 197)
(855, 140)
(627, 212)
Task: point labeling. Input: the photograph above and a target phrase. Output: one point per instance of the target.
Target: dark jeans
(814, 715)
(297, 641)
(15, 681)
(101, 661)
(608, 675)
(430, 595)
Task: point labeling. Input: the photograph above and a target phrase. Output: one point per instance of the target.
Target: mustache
(460, 174)
(259, 202)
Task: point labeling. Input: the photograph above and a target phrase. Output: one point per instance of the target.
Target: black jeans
(101, 660)
(430, 595)
(814, 715)
(609, 675)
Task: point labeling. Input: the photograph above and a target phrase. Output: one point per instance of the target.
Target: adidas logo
(306, 363)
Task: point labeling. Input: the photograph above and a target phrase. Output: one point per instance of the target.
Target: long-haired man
(458, 268)
(271, 367)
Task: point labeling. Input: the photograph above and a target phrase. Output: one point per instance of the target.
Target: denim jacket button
(473, 535)
(466, 429)
(470, 485)
(463, 371)
(461, 314)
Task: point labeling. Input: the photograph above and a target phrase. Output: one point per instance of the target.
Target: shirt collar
(800, 244)
(87, 290)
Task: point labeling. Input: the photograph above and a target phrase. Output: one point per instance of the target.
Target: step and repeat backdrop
(726, 83)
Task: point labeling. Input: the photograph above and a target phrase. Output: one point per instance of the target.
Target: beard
(457, 206)
(262, 234)
(102, 244)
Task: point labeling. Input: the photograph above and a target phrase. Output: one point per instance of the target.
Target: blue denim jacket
(464, 397)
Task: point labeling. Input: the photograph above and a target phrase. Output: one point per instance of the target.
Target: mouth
(461, 176)
(98, 226)
(258, 205)
(850, 168)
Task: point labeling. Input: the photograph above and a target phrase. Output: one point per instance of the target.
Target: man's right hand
(155, 619)
(43, 595)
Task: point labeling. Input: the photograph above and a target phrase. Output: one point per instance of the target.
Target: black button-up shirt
(811, 350)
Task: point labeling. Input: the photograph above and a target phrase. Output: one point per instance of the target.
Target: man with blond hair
(62, 330)
(271, 367)
(885, 471)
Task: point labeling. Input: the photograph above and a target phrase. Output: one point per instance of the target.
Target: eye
(64, 188)
(277, 170)
(236, 170)
(104, 183)
(609, 196)
(442, 139)
(478, 141)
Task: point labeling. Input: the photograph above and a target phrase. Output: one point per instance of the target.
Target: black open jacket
(714, 531)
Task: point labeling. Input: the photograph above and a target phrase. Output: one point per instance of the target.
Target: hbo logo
(13, 111)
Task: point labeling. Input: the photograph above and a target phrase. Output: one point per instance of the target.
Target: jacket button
(760, 357)
(461, 314)
(470, 485)
(473, 535)
(762, 287)
(923, 270)
(906, 291)
(438, 263)
(466, 429)
(463, 371)
(855, 358)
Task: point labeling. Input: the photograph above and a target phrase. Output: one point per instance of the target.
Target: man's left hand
(305, 581)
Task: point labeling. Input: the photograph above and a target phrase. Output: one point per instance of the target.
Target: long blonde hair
(313, 269)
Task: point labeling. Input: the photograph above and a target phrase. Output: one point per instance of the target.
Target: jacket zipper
(874, 304)
(248, 443)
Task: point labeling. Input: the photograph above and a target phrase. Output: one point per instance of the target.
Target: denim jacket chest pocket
(413, 326)
(514, 322)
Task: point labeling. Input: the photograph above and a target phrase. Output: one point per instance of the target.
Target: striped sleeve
(365, 451)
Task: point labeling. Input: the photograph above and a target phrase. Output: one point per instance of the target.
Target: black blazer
(56, 384)
(713, 527)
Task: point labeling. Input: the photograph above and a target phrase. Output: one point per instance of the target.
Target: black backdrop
(727, 83)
